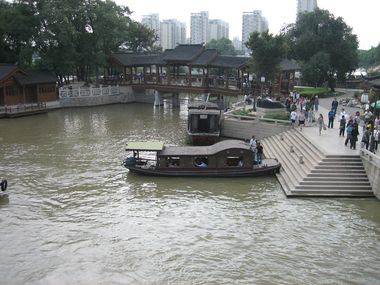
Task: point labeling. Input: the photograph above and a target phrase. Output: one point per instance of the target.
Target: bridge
(191, 68)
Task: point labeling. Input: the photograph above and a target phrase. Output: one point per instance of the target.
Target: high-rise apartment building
(252, 22)
(172, 33)
(218, 29)
(236, 42)
(306, 6)
(199, 27)
(152, 22)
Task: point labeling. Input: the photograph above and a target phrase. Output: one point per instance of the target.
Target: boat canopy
(204, 112)
(145, 146)
(204, 150)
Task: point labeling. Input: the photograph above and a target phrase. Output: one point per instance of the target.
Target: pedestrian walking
(331, 116)
(293, 118)
(365, 139)
(321, 123)
(376, 135)
(334, 105)
(316, 103)
(301, 119)
(354, 136)
(342, 125)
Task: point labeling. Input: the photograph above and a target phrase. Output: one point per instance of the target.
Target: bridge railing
(67, 92)
(177, 80)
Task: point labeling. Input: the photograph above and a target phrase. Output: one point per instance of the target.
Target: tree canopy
(369, 58)
(325, 45)
(223, 46)
(70, 37)
(267, 52)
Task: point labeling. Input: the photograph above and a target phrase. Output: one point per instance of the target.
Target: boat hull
(268, 167)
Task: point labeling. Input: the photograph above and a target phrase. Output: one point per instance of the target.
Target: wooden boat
(228, 158)
(203, 125)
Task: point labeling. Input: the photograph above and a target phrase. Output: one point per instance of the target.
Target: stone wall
(372, 166)
(126, 95)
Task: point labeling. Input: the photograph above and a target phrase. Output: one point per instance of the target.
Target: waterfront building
(199, 28)
(252, 22)
(218, 29)
(18, 86)
(306, 6)
(172, 33)
(152, 21)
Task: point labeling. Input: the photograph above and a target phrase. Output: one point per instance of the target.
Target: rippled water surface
(73, 214)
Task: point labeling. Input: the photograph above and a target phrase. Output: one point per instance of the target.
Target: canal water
(74, 215)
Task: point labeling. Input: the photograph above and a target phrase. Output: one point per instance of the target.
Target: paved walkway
(329, 141)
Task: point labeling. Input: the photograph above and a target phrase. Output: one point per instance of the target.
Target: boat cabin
(224, 154)
(203, 123)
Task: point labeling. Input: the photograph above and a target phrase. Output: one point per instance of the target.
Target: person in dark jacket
(260, 153)
(331, 116)
(354, 136)
(342, 126)
(334, 105)
(348, 131)
(365, 138)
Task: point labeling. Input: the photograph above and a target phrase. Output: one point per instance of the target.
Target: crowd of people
(351, 126)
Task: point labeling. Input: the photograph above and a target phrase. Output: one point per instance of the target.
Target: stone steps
(319, 175)
(334, 183)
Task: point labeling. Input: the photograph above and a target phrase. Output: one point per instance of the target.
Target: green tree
(18, 28)
(223, 46)
(369, 58)
(319, 35)
(267, 52)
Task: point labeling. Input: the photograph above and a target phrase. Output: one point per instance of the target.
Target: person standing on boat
(253, 145)
(260, 153)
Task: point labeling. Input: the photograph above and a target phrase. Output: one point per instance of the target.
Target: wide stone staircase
(307, 171)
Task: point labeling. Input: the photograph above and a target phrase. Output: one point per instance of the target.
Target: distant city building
(218, 29)
(306, 6)
(152, 22)
(172, 33)
(236, 42)
(199, 27)
(252, 22)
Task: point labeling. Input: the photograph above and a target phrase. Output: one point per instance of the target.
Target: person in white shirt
(293, 118)
(252, 143)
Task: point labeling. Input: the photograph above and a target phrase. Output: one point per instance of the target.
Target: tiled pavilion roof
(195, 55)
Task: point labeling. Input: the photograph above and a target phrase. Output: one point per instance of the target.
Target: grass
(278, 116)
(321, 92)
(241, 113)
(310, 92)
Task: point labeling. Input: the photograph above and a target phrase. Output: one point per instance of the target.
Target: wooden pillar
(23, 95)
(189, 75)
(158, 75)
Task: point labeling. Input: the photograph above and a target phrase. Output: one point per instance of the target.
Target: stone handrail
(66, 92)
(371, 164)
(240, 106)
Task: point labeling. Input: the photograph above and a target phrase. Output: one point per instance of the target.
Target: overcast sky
(361, 15)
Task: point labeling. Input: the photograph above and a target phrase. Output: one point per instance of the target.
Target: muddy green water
(73, 214)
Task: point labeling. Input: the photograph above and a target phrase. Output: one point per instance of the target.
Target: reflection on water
(75, 215)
